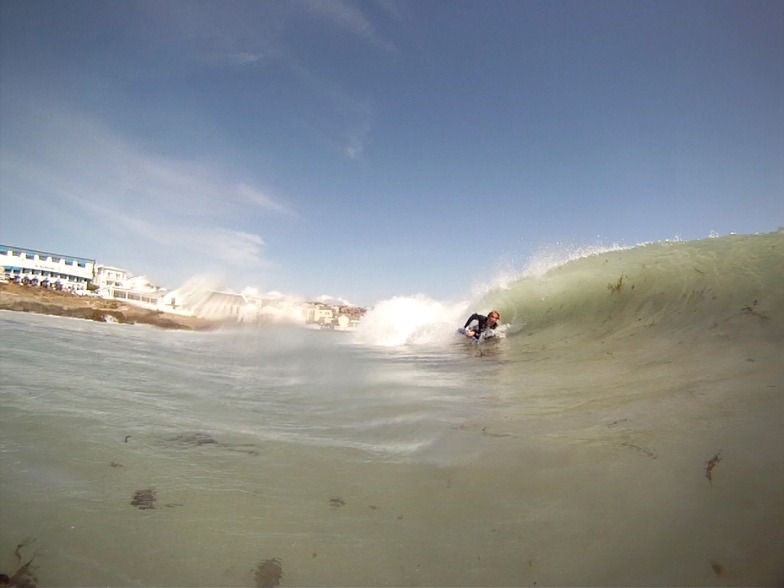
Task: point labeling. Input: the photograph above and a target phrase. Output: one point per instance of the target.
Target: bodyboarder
(485, 325)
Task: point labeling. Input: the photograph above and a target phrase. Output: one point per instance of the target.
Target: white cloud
(332, 300)
(244, 58)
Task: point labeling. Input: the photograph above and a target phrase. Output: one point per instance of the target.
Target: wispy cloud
(75, 165)
(244, 58)
(226, 247)
(359, 136)
(348, 126)
(227, 32)
(349, 19)
(248, 32)
(256, 197)
(252, 34)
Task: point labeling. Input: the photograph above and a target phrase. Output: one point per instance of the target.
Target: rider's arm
(473, 317)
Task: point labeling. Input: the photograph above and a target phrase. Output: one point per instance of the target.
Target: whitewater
(626, 431)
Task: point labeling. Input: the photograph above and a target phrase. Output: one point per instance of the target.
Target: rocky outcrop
(42, 301)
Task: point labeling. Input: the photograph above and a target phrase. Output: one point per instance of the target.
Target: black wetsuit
(481, 328)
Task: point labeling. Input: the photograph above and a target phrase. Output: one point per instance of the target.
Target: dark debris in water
(618, 287)
(192, 439)
(336, 502)
(487, 433)
(750, 309)
(24, 576)
(144, 499)
(189, 440)
(617, 422)
(268, 573)
(644, 450)
(710, 465)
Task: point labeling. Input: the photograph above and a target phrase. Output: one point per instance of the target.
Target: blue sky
(368, 149)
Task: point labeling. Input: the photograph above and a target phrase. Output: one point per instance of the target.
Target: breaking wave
(720, 284)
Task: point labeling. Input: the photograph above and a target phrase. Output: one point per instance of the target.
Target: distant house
(347, 322)
(114, 283)
(48, 270)
(319, 313)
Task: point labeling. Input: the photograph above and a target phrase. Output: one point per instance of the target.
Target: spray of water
(203, 296)
(414, 320)
(549, 257)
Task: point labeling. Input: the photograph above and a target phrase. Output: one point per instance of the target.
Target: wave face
(718, 285)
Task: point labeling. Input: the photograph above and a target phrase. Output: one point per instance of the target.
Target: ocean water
(626, 431)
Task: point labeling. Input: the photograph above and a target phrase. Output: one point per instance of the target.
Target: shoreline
(37, 300)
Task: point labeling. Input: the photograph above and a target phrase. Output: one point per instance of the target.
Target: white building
(106, 278)
(118, 284)
(49, 270)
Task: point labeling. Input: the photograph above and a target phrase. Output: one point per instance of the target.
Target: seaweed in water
(269, 573)
(144, 499)
(187, 440)
(617, 287)
(750, 309)
(644, 450)
(24, 576)
(711, 464)
(488, 434)
(193, 439)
